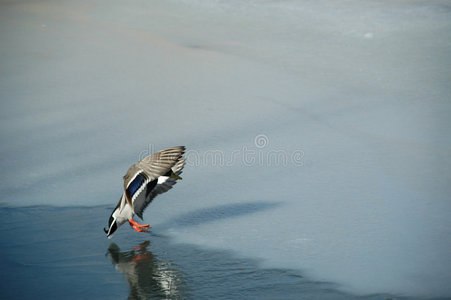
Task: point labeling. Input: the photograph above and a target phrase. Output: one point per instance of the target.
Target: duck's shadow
(147, 276)
(150, 277)
(211, 214)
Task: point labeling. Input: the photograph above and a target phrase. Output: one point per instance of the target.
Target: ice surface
(350, 99)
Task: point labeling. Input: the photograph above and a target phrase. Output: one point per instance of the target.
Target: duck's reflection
(148, 277)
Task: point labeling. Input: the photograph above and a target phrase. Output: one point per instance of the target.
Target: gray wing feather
(154, 166)
(157, 190)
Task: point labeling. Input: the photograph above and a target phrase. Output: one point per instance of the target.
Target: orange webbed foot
(139, 227)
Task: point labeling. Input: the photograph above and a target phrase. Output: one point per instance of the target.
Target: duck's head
(112, 224)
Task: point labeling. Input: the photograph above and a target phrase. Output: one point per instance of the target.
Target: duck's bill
(112, 229)
(108, 235)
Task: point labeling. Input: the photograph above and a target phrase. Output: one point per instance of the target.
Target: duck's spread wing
(141, 183)
(163, 184)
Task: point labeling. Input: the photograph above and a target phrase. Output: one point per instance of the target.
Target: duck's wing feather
(142, 177)
(155, 189)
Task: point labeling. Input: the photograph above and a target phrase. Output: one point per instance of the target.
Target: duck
(153, 175)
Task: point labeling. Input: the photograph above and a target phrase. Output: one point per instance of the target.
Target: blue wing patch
(135, 184)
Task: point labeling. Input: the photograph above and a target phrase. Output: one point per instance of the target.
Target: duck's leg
(139, 227)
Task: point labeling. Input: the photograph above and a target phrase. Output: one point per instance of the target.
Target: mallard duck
(151, 176)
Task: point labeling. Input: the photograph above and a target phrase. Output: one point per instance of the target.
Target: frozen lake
(317, 135)
(66, 259)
